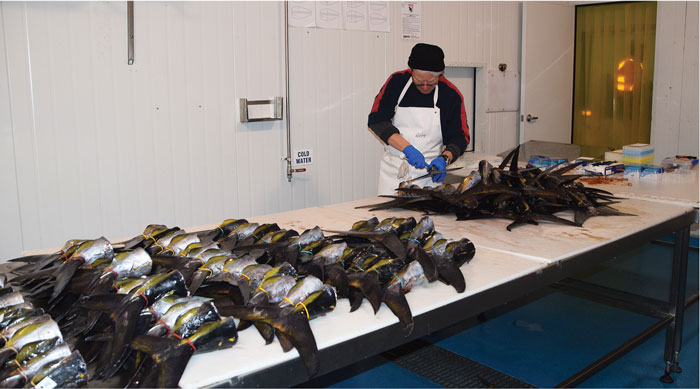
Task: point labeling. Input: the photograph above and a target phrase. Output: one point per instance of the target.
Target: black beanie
(426, 57)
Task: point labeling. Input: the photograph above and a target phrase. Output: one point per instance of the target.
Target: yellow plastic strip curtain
(613, 73)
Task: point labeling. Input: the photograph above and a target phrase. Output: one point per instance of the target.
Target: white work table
(506, 266)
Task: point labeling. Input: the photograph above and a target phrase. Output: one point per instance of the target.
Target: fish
(191, 320)
(85, 255)
(169, 356)
(123, 311)
(300, 291)
(180, 243)
(164, 240)
(166, 322)
(23, 374)
(42, 330)
(222, 230)
(525, 196)
(394, 298)
(26, 353)
(37, 262)
(211, 268)
(11, 299)
(272, 290)
(70, 372)
(295, 328)
(23, 321)
(250, 278)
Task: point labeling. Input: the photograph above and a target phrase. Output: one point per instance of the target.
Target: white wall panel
(674, 120)
(92, 146)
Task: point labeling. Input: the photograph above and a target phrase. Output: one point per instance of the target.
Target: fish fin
(416, 253)
(284, 340)
(64, 274)
(35, 266)
(336, 276)
(125, 321)
(7, 354)
(266, 331)
(449, 271)
(33, 258)
(171, 356)
(296, 328)
(107, 302)
(392, 242)
(244, 324)
(396, 301)
(197, 280)
(355, 297)
(370, 288)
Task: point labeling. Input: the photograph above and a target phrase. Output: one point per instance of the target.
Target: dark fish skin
(125, 311)
(318, 303)
(335, 275)
(21, 375)
(294, 327)
(461, 251)
(69, 373)
(396, 301)
(449, 272)
(189, 322)
(172, 355)
(27, 352)
(416, 253)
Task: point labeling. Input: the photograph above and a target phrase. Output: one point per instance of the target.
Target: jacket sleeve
(456, 134)
(379, 120)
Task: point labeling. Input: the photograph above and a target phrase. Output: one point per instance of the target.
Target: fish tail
(296, 328)
(170, 357)
(415, 252)
(197, 280)
(370, 288)
(396, 301)
(284, 340)
(125, 319)
(449, 272)
(63, 275)
(266, 331)
(336, 276)
(355, 297)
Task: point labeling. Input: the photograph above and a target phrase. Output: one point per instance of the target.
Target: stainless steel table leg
(674, 332)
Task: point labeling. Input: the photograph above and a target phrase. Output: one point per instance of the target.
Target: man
(418, 114)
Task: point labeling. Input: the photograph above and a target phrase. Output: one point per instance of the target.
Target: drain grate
(448, 369)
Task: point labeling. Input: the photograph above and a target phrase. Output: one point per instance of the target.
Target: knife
(432, 173)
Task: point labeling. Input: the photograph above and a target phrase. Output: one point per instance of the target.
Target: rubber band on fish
(161, 247)
(306, 310)
(244, 275)
(112, 270)
(154, 312)
(211, 272)
(412, 240)
(221, 229)
(144, 297)
(266, 292)
(167, 327)
(186, 340)
(288, 300)
(307, 252)
(299, 244)
(264, 241)
(21, 371)
(400, 281)
(63, 253)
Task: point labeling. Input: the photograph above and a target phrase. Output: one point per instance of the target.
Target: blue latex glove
(438, 164)
(415, 157)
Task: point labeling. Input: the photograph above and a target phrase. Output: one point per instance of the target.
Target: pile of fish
(133, 313)
(525, 196)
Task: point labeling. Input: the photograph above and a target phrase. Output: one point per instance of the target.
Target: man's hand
(414, 157)
(438, 163)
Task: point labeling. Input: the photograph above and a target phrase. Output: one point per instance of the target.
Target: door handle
(531, 118)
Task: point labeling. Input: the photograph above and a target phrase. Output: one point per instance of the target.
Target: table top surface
(501, 256)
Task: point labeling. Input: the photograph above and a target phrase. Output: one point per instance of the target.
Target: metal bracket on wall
(274, 110)
(130, 30)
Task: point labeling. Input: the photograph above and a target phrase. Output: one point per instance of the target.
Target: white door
(547, 70)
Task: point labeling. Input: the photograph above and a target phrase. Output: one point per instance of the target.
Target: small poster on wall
(379, 16)
(302, 13)
(410, 20)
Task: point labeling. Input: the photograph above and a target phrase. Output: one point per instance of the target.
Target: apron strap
(405, 88)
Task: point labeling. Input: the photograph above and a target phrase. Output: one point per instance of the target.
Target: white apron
(420, 126)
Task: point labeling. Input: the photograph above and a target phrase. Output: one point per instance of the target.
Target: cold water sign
(303, 157)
